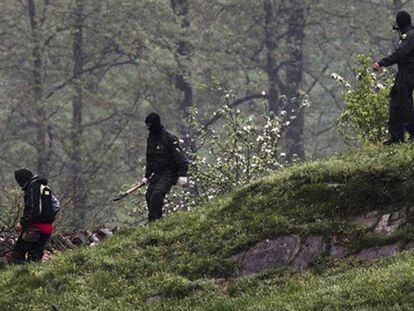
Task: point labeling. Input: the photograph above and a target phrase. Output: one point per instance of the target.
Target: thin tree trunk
(183, 56)
(43, 137)
(271, 63)
(78, 193)
(294, 77)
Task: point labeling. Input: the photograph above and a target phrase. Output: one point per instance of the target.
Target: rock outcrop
(271, 254)
(299, 253)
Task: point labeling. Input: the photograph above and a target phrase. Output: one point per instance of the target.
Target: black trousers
(158, 187)
(30, 247)
(401, 106)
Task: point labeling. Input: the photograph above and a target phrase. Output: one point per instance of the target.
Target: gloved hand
(144, 181)
(182, 181)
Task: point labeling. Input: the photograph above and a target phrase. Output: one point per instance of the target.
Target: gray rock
(377, 252)
(271, 254)
(389, 223)
(338, 251)
(382, 226)
(313, 247)
(94, 238)
(368, 220)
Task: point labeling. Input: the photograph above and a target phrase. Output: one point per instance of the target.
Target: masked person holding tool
(401, 110)
(166, 166)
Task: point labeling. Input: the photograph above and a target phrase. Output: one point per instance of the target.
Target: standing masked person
(401, 113)
(35, 226)
(166, 166)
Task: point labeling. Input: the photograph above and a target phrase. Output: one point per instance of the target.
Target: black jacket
(164, 155)
(403, 54)
(31, 201)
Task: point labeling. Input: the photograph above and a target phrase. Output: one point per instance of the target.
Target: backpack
(48, 205)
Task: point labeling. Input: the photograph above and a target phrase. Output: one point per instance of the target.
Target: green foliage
(11, 207)
(365, 117)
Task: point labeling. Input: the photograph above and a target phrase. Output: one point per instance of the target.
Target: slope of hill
(200, 260)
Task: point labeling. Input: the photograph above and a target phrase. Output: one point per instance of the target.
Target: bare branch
(236, 103)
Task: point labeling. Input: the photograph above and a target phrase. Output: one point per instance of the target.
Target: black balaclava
(403, 20)
(23, 176)
(153, 121)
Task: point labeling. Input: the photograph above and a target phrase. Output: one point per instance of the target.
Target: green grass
(184, 262)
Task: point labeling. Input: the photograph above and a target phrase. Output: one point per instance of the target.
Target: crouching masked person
(35, 226)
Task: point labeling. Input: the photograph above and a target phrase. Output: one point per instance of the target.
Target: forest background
(77, 79)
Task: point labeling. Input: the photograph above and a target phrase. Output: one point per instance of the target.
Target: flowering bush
(240, 150)
(365, 117)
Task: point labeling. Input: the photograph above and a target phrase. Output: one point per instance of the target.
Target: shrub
(241, 149)
(365, 117)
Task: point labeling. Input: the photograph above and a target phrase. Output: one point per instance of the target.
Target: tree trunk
(43, 137)
(398, 6)
(271, 63)
(183, 56)
(294, 77)
(78, 192)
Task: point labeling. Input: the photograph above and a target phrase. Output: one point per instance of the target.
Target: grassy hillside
(186, 261)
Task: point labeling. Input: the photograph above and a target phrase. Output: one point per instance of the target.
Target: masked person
(35, 226)
(401, 113)
(166, 166)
